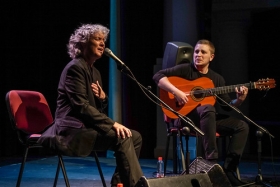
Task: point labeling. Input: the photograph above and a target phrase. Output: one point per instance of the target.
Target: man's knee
(206, 109)
(244, 127)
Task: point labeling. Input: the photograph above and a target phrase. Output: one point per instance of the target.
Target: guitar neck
(226, 89)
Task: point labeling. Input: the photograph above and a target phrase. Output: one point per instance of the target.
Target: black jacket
(78, 116)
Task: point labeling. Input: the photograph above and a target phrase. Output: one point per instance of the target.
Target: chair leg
(61, 164)
(238, 173)
(56, 174)
(99, 169)
(166, 154)
(175, 156)
(187, 156)
(22, 166)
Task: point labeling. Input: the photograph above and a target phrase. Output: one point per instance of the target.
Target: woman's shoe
(233, 178)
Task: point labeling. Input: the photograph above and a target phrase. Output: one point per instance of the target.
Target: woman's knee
(136, 137)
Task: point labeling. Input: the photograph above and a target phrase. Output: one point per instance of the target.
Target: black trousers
(127, 151)
(209, 122)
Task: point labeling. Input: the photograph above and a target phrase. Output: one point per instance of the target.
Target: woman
(80, 125)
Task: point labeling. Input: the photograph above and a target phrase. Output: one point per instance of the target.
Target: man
(80, 125)
(205, 115)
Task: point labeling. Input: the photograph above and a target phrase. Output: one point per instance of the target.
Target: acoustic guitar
(200, 92)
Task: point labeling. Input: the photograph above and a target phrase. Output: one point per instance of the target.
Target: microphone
(109, 53)
(186, 130)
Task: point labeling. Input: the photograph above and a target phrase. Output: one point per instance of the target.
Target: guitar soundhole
(197, 94)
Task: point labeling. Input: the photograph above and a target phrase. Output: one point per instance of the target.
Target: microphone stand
(184, 118)
(259, 134)
(123, 68)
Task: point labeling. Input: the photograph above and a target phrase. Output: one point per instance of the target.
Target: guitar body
(200, 92)
(187, 87)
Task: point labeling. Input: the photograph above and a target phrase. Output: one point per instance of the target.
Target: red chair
(30, 115)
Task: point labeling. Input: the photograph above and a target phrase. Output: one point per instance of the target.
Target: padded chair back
(28, 110)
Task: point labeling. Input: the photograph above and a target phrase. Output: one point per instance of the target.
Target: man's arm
(165, 84)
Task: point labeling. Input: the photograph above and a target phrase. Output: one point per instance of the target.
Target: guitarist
(205, 115)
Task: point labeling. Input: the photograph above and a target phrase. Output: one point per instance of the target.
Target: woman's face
(94, 49)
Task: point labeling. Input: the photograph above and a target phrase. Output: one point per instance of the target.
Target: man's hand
(241, 95)
(181, 97)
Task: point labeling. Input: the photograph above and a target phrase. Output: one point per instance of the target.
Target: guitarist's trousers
(206, 118)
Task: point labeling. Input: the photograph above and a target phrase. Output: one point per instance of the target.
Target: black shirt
(189, 72)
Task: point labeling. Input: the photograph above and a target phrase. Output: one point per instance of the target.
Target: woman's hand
(121, 130)
(98, 91)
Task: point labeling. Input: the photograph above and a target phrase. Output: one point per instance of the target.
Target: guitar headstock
(265, 84)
